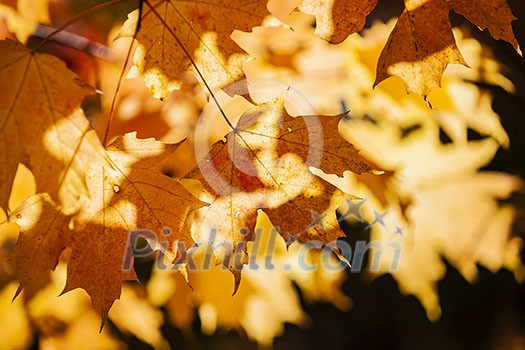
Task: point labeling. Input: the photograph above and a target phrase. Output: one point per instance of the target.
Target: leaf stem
(192, 61)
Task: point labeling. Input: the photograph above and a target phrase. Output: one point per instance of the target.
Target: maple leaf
(315, 71)
(44, 234)
(22, 16)
(264, 164)
(42, 126)
(468, 230)
(16, 330)
(263, 169)
(130, 193)
(337, 19)
(136, 315)
(439, 203)
(71, 316)
(174, 35)
(422, 45)
(266, 299)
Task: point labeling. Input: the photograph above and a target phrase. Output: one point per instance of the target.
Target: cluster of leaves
(90, 196)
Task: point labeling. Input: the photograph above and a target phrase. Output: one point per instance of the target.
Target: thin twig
(192, 61)
(74, 19)
(76, 41)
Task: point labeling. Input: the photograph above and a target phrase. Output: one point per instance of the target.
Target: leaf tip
(236, 280)
(183, 270)
(18, 291)
(340, 256)
(103, 322)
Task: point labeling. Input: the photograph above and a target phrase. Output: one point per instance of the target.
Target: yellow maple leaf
(422, 45)
(435, 197)
(450, 210)
(266, 298)
(16, 331)
(336, 19)
(133, 313)
(22, 16)
(313, 70)
(68, 321)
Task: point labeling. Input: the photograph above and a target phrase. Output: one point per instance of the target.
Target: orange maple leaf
(42, 126)
(264, 164)
(131, 193)
(44, 234)
(174, 36)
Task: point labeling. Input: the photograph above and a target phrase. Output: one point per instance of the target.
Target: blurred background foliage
(342, 311)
